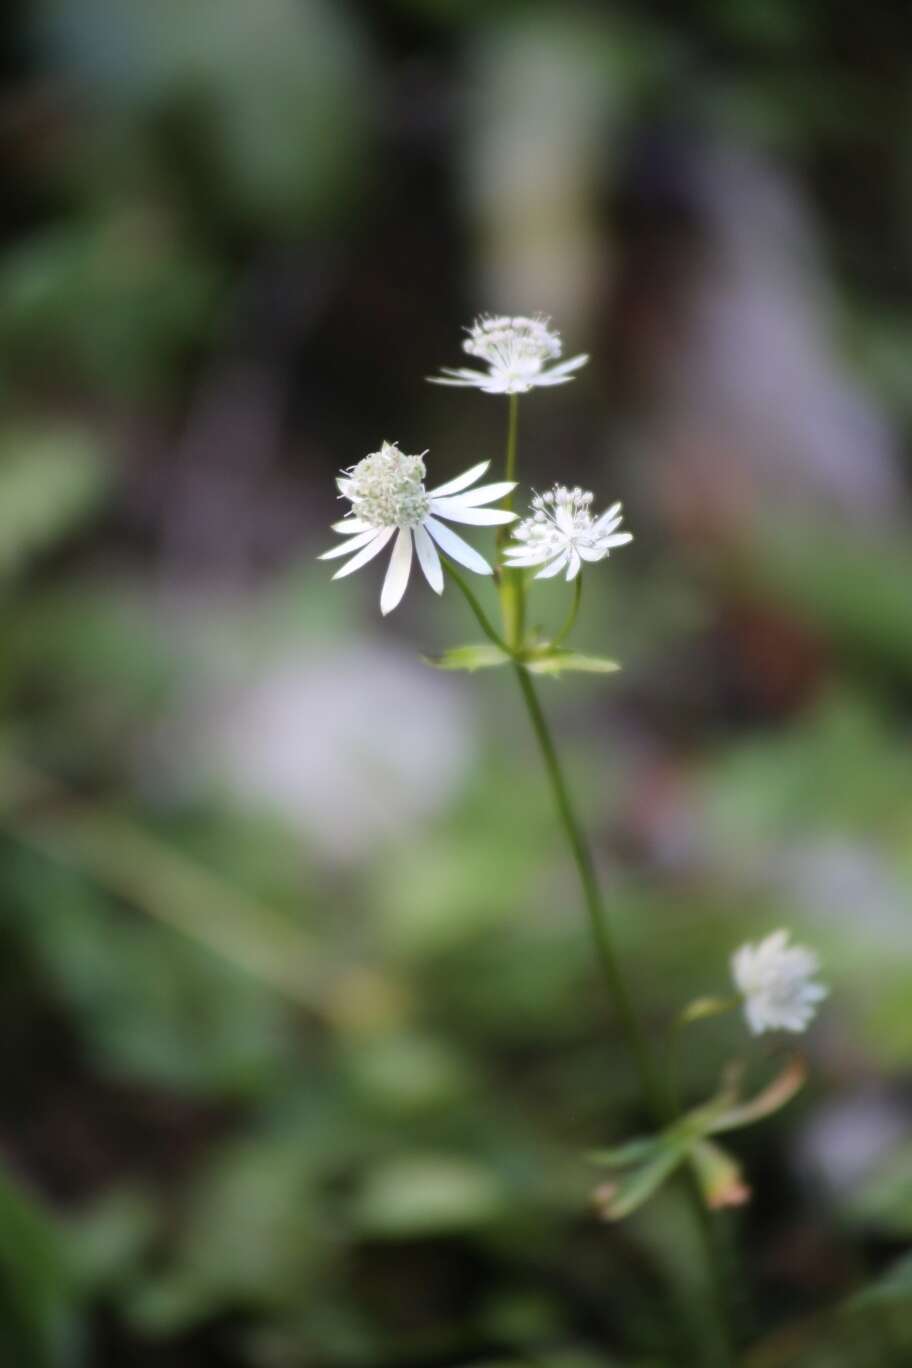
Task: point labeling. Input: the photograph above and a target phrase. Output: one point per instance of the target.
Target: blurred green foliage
(269, 1103)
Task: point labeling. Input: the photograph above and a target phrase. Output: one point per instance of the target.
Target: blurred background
(304, 1045)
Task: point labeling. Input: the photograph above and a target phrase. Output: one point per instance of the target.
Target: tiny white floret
(562, 532)
(774, 980)
(388, 498)
(515, 351)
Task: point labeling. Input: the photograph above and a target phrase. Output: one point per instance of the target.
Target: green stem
(512, 589)
(654, 1087)
(472, 601)
(650, 1078)
(570, 621)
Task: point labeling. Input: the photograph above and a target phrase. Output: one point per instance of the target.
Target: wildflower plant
(561, 534)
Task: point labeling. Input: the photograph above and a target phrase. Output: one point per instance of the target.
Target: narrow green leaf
(483, 656)
(558, 661)
(616, 1199)
(627, 1155)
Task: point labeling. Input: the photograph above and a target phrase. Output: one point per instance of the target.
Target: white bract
(515, 351)
(388, 499)
(562, 533)
(774, 979)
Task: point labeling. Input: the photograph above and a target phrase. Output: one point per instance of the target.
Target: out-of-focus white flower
(562, 533)
(388, 498)
(515, 351)
(774, 979)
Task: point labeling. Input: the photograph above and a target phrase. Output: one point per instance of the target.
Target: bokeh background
(304, 1045)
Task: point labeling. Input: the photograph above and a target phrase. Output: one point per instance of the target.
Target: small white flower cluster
(388, 497)
(515, 351)
(774, 979)
(562, 533)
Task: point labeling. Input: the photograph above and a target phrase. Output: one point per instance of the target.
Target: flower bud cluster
(386, 489)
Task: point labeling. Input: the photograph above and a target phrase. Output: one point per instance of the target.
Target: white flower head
(515, 351)
(388, 498)
(562, 533)
(774, 979)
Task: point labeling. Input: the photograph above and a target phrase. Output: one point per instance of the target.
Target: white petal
(573, 568)
(617, 539)
(373, 548)
(488, 493)
(349, 526)
(563, 368)
(555, 567)
(462, 481)
(525, 558)
(481, 517)
(429, 560)
(593, 553)
(609, 516)
(345, 548)
(464, 377)
(452, 545)
(397, 573)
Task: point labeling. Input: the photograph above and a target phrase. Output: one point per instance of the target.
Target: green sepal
(483, 656)
(719, 1174)
(704, 1007)
(556, 661)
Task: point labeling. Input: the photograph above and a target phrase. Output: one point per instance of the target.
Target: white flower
(515, 351)
(774, 978)
(388, 498)
(563, 533)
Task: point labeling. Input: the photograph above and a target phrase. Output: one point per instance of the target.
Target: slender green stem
(652, 1082)
(512, 588)
(570, 620)
(650, 1077)
(480, 614)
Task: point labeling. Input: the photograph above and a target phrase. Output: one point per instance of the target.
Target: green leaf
(37, 1302)
(619, 1198)
(557, 661)
(893, 1286)
(632, 1153)
(483, 656)
(51, 479)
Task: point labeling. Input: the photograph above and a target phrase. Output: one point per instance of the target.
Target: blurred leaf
(621, 1196)
(272, 98)
(107, 1240)
(425, 1194)
(251, 1236)
(37, 1322)
(480, 657)
(51, 479)
(559, 661)
(116, 301)
(883, 1201)
(895, 1285)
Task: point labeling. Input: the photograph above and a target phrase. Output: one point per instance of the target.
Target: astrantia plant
(562, 535)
